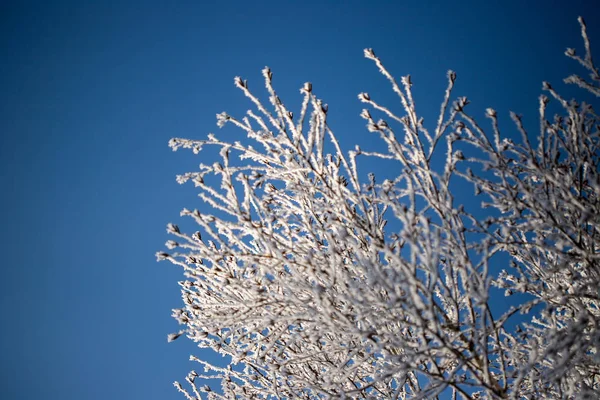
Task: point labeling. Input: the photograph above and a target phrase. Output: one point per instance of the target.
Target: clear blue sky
(91, 92)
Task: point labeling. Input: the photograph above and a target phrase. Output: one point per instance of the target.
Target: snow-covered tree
(317, 283)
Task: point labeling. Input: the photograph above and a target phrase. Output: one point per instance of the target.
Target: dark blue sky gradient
(91, 92)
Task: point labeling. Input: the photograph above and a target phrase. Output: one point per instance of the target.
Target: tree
(295, 276)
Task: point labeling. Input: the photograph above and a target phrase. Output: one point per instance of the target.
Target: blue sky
(91, 92)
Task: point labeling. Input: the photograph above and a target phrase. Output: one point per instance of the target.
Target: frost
(317, 285)
(222, 119)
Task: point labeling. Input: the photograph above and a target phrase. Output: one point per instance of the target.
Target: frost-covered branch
(315, 284)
